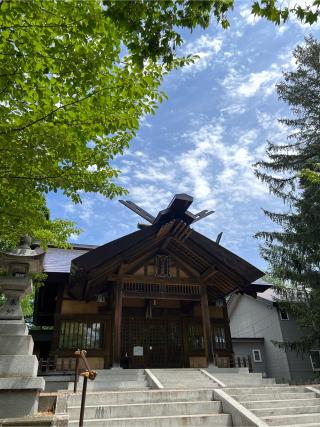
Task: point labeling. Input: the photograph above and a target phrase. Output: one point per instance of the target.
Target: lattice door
(160, 339)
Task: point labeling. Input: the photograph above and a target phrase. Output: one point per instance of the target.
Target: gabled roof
(58, 260)
(170, 231)
(102, 254)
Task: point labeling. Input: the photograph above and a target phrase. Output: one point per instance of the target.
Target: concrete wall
(299, 364)
(245, 349)
(254, 318)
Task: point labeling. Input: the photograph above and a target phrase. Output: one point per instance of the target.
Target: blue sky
(204, 140)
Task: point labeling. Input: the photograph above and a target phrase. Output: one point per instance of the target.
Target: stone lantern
(19, 384)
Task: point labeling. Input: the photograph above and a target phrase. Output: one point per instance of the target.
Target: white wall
(251, 318)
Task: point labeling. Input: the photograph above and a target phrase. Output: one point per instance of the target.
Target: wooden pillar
(117, 324)
(54, 350)
(206, 324)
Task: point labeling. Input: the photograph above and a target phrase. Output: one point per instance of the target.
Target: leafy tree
(69, 102)
(75, 79)
(291, 172)
(279, 11)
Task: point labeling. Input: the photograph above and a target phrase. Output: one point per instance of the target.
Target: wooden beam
(165, 243)
(226, 269)
(190, 255)
(208, 273)
(187, 235)
(117, 324)
(184, 233)
(184, 265)
(165, 229)
(135, 208)
(206, 324)
(180, 225)
(141, 261)
(101, 272)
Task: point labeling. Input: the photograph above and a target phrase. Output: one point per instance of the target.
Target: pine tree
(291, 171)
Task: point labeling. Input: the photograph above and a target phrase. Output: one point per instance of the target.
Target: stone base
(18, 403)
(18, 366)
(19, 384)
(36, 421)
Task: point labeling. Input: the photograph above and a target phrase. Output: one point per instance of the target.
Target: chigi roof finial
(177, 209)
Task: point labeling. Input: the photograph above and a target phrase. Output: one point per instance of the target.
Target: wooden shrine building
(153, 298)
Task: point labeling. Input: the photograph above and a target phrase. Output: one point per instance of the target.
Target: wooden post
(117, 324)
(206, 324)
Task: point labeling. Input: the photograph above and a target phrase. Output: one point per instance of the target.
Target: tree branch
(57, 109)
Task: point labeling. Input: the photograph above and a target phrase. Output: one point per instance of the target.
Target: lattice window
(195, 337)
(162, 266)
(83, 335)
(219, 337)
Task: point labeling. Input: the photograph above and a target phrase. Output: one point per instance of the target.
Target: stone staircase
(115, 379)
(188, 378)
(280, 405)
(123, 398)
(156, 408)
(239, 377)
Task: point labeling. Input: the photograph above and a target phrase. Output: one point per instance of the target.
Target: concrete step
(289, 410)
(273, 396)
(236, 374)
(141, 396)
(103, 387)
(125, 373)
(16, 344)
(292, 420)
(115, 379)
(248, 380)
(176, 378)
(116, 372)
(180, 381)
(213, 368)
(280, 403)
(146, 410)
(203, 420)
(175, 370)
(302, 425)
(254, 390)
(123, 381)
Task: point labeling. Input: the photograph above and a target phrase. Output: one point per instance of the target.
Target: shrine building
(154, 298)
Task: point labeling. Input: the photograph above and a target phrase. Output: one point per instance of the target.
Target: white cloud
(92, 168)
(281, 29)
(247, 15)
(264, 80)
(234, 109)
(206, 48)
(246, 85)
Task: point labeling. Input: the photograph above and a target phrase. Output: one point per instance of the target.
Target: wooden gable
(150, 268)
(192, 258)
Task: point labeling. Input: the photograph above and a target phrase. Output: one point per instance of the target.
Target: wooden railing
(161, 288)
(234, 362)
(55, 366)
(87, 373)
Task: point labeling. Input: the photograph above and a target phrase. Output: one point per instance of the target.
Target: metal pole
(76, 374)
(83, 400)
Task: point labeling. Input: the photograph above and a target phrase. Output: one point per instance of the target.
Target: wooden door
(152, 343)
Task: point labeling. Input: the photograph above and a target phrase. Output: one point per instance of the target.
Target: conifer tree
(292, 173)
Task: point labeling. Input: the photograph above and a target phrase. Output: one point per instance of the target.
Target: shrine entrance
(151, 343)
